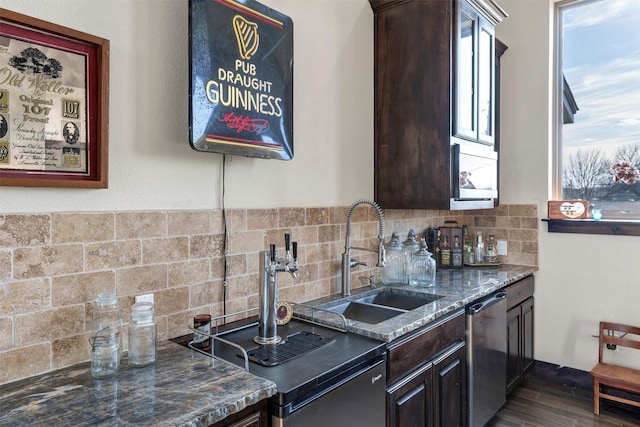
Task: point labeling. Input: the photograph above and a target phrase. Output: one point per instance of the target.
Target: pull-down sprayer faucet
(347, 262)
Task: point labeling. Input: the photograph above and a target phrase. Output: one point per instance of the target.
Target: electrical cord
(224, 239)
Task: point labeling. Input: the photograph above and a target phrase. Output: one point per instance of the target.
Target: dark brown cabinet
(434, 87)
(519, 331)
(252, 416)
(426, 376)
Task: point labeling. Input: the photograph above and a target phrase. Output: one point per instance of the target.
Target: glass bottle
(142, 335)
(479, 252)
(396, 260)
(445, 253)
(411, 245)
(456, 253)
(491, 254)
(467, 246)
(106, 348)
(422, 267)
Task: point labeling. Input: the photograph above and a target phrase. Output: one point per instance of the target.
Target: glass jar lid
(142, 311)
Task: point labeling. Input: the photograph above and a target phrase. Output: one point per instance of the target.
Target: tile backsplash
(52, 265)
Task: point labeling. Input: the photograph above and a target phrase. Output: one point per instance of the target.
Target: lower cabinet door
(409, 403)
(514, 334)
(450, 387)
(527, 334)
(433, 395)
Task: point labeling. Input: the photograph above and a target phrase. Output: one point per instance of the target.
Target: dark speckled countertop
(183, 388)
(457, 288)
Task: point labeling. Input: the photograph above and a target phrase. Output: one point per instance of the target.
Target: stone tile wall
(53, 265)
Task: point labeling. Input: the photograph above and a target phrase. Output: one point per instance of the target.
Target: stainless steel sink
(382, 306)
(401, 301)
(367, 313)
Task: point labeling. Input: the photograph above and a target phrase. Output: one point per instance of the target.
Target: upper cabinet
(434, 97)
(474, 88)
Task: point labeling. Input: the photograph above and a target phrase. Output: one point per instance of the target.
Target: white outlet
(502, 247)
(145, 298)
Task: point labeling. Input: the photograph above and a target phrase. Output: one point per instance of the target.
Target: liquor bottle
(479, 248)
(445, 253)
(456, 253)
(491, 254)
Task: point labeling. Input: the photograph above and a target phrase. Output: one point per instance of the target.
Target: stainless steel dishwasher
(487, 356)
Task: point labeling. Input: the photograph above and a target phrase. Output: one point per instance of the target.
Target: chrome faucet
(270, 265)
(347, 262)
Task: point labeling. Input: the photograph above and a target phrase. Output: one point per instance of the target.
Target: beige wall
(151, 163)
(583, 279)
(53, 265)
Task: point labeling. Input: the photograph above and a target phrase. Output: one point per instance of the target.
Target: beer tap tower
(270, 265)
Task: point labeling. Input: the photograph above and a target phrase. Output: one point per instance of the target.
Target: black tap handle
(287, 241)
(272, 249)
(295, 251)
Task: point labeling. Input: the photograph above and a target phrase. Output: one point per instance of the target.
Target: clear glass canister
(422, 268)
(106, 312)
(106, 348)
(411, 245)
(142, 335)
(105, 353)
(396, 261)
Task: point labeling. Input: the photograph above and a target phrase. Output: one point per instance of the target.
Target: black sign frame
(241, 79)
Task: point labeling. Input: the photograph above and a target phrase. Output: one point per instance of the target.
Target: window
(598, 120)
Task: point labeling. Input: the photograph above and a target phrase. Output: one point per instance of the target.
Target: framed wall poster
(54, 104)
(241, 79)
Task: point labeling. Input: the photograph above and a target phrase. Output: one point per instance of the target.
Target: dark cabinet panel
(434, 85)
(450, 388)
(409, 404)
(427, 376)
(514, 320)
(520, 333)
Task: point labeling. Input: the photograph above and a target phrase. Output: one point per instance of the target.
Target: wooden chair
(615, 377)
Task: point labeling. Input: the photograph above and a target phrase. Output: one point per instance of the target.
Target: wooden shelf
(589, 226)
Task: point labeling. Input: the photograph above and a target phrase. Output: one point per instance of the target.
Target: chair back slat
(618, 329)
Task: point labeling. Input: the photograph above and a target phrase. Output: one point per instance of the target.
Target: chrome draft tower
(270, 265)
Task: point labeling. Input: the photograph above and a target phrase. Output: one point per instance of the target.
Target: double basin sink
(382, 306)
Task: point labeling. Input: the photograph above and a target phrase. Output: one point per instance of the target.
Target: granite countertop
(457, 288)
(183, 388)
(186, 388)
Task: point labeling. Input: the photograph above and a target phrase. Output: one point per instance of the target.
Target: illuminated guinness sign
(241, 99)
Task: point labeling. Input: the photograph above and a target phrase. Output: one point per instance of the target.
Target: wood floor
(542, 403)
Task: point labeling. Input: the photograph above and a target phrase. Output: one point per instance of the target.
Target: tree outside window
(600, 143)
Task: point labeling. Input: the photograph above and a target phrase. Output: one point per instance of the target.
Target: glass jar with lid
(396, 261)
(106, 347)
(106, 312)
(411, 245)
(105, 354)
(142, 335)
(422, 268)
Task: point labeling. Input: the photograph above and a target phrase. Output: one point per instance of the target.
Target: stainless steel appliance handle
(486, 303)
